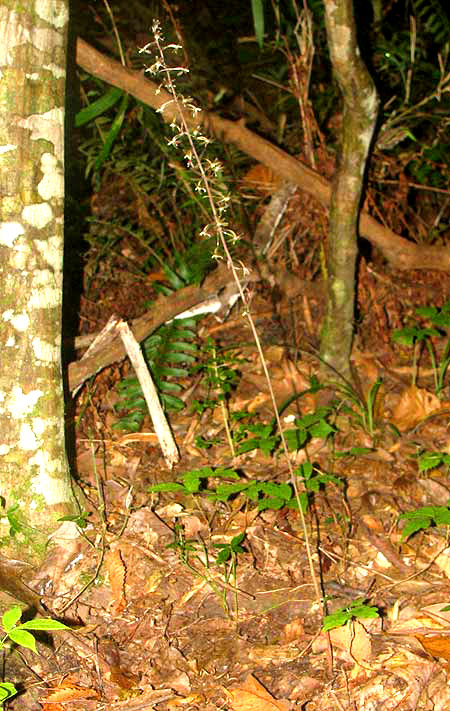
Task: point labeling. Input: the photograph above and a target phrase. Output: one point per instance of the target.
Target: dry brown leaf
(262, 179)
(443, 562)
(367, 365)
(116, 572)
(353, 639)
(437, 612)
(191, 700)
(413, 406)
(437, 646)
(66, 691)
(292, 631)
(252, 696)
(146, 437)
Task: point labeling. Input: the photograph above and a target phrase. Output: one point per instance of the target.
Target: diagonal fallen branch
(401, 253)
(165, 308)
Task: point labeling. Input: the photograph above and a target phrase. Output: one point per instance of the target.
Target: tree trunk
(359, 118)
(34, 476)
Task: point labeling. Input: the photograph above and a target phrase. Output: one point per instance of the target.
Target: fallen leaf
(116, 572)
(437, 611)
(252, 696)
(437, 646)
(191, 700)
(292, 631)
(413, 406)
(354, 639)
(67, 692)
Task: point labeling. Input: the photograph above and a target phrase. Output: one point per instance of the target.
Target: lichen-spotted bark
(34, 477)
(359, 118)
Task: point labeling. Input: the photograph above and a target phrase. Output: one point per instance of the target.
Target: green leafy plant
(306, 427)
(17, 522)
(221, 376)
(108, 129)
(194, 481)
(358, 609)
(265, 494)
(20, 634)
(313, 480)
(228, 558)
(434, 19)
(424, 518)
(171, 354)
(417, 336)
(432, 460)
(195, 555)
(363, 410)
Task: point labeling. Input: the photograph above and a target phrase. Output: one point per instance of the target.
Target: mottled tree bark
(34, 476)
(360, 113)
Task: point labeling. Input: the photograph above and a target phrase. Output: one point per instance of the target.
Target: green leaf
(225, 491)
(23, 638)
(406, 336)
(11, 617)
(236, 543)
(358, 609)
(258, 21)
(322, 429)
(191, 481)
(98, 107)
(365, 612)
(224, 555)
(274, 503)
(431, 460)
(43, 624)
(6, 691)
(353, 452)
(113, 132)
(337, 619)
(417, 524)
(166, 486)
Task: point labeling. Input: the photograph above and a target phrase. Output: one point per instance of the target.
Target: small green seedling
(80, 519)
(361, 409)
(229, 551)
(19, 634)
(433, 460)
(306, 427)
(424, 518)
(313, 480)
(417, 336)
(357, 610)
(228, 554)
(353, 452)
(221, 376)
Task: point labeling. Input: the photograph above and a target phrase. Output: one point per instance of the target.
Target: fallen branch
(401, 253)
(164, 309)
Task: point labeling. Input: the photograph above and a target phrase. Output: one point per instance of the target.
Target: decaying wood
(401, 253)
(164, 309)
(160, 424)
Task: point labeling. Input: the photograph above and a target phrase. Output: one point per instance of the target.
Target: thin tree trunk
(34, 477)
(359, 118)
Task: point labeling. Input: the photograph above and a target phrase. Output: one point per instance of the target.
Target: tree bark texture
(360, 114)
(34, 477)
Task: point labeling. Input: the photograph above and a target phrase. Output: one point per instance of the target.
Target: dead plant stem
(221, 232)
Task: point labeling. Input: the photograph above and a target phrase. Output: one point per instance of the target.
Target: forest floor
(203, 597)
